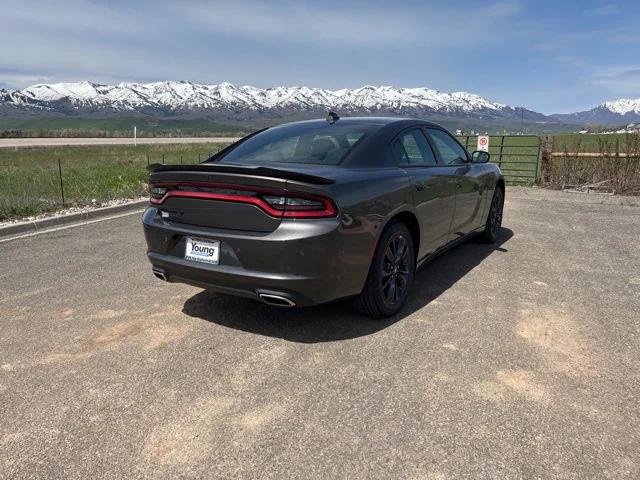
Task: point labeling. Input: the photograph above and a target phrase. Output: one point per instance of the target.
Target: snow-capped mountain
(227, 101)
(617, 112)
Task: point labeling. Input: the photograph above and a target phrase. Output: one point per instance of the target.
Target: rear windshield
(320, 144)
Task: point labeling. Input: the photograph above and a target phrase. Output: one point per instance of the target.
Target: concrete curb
(44, 223)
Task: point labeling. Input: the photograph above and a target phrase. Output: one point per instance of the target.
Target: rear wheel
(390, 275)
(494, 219)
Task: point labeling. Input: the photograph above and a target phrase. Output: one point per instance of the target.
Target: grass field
(572, 142)
(30, 177)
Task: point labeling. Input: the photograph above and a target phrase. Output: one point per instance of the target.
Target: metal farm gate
(518, 156)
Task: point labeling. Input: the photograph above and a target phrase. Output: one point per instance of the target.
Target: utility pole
(521, 120)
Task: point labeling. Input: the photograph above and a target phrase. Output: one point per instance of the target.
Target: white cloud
(348, 23)
(619, 79)
(603, 10)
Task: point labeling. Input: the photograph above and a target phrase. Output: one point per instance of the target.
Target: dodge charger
(309, 212)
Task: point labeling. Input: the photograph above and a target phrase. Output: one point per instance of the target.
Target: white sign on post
(483, 143)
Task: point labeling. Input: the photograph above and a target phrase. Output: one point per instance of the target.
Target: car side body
(301, 261)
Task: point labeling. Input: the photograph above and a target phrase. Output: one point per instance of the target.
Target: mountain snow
(227, 101)
(623, 106)
(181, 96)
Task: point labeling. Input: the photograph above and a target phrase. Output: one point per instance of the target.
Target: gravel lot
(519, 360)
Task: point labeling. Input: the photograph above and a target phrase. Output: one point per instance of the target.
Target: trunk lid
(230, 197)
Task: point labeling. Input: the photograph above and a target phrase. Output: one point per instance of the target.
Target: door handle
(419, 186)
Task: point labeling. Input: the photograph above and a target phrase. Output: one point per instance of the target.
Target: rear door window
(412, 149)
(451, 153)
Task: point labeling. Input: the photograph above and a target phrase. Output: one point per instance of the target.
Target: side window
(451, 152)
(412, 149)
(399, 152)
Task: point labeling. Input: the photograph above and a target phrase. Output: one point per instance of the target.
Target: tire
(494, 219)
(391, 274)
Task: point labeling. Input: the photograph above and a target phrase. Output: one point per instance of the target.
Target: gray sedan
(309, 212)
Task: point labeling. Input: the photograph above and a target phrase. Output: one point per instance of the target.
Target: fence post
(545, 158)
(199, 158)
(147, 159)
(163, 158)
(180, 159)
(501, 151)
(535, 178)
(61, 184)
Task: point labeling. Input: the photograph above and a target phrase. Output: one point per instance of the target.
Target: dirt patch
(13, 312)
(194, 434)
(185, 440)
(156, 338)
(147, 334)
(62, 313)
(118, 332)
(514, 383)
(63, 357)
(559, 340)
(108, 314)
(524, 383)
(23, 295)
(435, 475)
(260, 417)
(150, 334)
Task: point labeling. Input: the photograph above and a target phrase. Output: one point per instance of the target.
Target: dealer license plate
(204, 251)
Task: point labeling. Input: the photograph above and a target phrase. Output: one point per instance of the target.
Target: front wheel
(494, 219)
(391, 274)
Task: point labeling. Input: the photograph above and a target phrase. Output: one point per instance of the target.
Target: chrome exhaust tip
(276, 300)
(159, 274)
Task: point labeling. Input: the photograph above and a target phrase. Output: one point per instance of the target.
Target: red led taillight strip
(297, 211)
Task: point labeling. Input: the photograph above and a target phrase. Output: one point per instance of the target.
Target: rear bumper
(305, 261)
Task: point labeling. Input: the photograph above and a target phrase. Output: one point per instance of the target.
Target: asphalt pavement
(517, 360)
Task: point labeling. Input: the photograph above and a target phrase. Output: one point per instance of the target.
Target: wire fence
(33, 185)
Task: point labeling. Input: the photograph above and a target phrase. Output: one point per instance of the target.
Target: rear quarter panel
(366, 200)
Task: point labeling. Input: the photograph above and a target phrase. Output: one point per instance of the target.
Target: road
(49, 142)
(519, 360)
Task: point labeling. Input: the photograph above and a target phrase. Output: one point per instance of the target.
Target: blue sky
(549, 56)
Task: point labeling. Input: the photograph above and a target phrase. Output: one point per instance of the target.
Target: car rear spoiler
(243, 170)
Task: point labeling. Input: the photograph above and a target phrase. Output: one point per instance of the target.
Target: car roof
(366, 120)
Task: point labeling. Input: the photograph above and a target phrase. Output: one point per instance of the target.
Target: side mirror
(480, 156)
